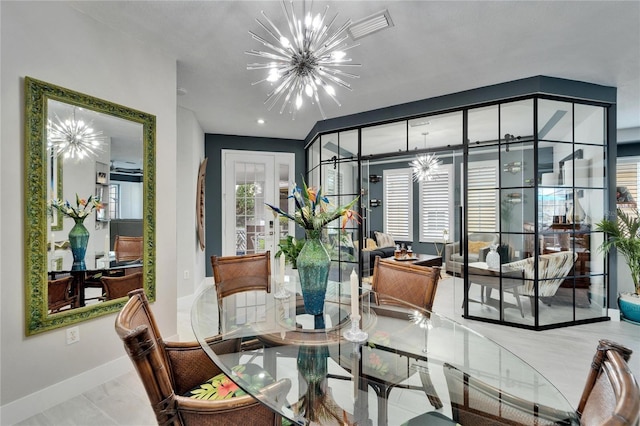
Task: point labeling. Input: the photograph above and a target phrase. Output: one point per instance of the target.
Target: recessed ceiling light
(260, 121)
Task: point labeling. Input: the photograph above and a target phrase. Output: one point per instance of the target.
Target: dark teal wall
(213, 144)
(629, 149)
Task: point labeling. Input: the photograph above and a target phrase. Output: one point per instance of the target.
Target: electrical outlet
(517, 254)
(186, 274)
(73, 335)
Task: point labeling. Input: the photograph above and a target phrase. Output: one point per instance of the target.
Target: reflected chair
(127, 248)
(416, 285)
(59, 294)
(117, 287)
(611, 396)
(170, 370)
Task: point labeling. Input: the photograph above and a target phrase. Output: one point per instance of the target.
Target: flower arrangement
(313, 209)
(84, 207)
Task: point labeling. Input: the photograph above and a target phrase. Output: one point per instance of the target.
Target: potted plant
(624, 234)
(290, 247)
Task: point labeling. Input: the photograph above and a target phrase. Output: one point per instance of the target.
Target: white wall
(191, 260)
(51, 41)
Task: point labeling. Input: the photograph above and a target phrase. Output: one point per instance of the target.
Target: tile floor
(562, 355)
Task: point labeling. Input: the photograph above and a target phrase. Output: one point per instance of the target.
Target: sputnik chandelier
(424, 166)
(73, 138)
(306, 60)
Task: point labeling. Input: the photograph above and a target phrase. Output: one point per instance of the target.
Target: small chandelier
(424, 166)
(73, 138)
(308, 59)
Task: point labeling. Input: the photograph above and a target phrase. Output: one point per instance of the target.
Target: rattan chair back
(127, 248)
(611, 395)
(59, 294)
(117, 287)
(227, 268)
(413, 284)
(169, 370)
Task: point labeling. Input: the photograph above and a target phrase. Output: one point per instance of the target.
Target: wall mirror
(121, 172)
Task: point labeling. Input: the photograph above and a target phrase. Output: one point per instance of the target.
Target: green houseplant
(291, 248)
(623, 233)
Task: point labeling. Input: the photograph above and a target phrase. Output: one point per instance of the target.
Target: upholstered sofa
(478, 249)
(382, 245)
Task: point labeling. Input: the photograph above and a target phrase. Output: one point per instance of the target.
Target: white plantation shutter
(398, 203)
(627, 175)
(482, 197)
(436, 205)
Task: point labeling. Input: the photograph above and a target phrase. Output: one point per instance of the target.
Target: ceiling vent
(370, 24)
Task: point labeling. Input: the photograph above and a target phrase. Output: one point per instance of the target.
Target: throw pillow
(476, 246)
(385, 240)
(370, 244)
(221, 386)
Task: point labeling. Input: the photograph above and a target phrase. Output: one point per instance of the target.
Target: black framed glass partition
(511, 211)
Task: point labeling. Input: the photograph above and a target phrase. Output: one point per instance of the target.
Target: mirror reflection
(92, 154)
(89, 205)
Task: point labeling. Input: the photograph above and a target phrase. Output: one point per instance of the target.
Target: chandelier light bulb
(315, 57)
(73, 139)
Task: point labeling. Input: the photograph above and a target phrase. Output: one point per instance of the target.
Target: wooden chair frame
(128, 248)
(117, 287)
(170, 369)
(58, 294)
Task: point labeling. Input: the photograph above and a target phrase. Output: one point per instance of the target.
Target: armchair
(479, 247)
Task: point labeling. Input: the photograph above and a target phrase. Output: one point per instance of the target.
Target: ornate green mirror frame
(37, 95)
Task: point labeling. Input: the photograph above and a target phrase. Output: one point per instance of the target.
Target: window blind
(436, 206)
(398, 203)
(482, 197)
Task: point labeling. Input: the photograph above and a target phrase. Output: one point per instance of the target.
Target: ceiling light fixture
(73, 138)
(425, 165)
(308, 59)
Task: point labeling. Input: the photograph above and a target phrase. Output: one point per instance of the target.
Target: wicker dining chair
(117, 287)
(59, 294)
(170, 370)
(611, 396)
(414, 284)
(127, 248)
(225, 268)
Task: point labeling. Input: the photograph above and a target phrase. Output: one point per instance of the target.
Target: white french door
(249, 180)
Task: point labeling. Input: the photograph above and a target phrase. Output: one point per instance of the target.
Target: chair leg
(430, 389)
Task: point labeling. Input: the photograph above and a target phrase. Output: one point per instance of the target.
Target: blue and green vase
(313, 267)
(78, 239)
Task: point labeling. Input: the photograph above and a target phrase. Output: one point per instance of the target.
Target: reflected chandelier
(73, 138)
(424, 166)
(305, 61)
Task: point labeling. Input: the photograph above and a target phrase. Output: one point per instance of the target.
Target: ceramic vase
(493, 257)
(78, 239)
(313, 268)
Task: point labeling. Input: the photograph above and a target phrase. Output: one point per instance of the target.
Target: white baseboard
(30, 405)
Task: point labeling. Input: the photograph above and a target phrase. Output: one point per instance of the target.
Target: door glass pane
(250, 208)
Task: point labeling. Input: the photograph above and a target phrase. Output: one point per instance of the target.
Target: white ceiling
(434, 48)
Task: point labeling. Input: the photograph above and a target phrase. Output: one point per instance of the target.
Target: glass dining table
(416, 367)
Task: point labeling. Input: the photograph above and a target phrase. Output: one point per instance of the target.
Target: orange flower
(226, 387)
(312, 193)
(350, 215)
(83, 202)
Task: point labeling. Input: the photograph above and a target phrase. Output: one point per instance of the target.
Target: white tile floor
(562, 355)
